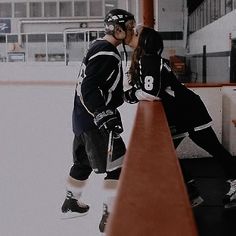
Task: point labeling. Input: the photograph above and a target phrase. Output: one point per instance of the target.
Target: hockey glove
(130, 97)
(108, 120)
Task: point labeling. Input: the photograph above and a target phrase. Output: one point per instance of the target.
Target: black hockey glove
(108, 120)
(130, 97)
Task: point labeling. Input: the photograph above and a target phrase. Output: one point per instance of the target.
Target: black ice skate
(72, 207)
(229, 199)
(194, 196)
(103, 221)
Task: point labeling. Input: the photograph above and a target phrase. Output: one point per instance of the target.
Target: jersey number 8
(148, 83)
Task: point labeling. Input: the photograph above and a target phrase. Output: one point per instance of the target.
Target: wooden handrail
(152, 198)
(234, 122)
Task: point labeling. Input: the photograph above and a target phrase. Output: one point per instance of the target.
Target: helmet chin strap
(124, 48)
(115, 37)
(125, 52)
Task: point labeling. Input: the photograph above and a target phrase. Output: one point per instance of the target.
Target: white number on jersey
(148, 83)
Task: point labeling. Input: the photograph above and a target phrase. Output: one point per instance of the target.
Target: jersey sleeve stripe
(105, 53)
(114, 85)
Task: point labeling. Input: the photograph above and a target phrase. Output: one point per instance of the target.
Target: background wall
(229, 114)
(216, 36)
(217, 39)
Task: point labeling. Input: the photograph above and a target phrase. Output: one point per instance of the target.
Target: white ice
(35, 158)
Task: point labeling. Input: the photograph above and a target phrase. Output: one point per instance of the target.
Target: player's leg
(110, 188)
(111, 180)
(208, 140)
(193, 192)
(97, 152)
(73, 206)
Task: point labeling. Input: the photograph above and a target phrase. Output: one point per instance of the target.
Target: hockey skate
(103, 221)
(229, 199)
(194, 196)
(72, 207)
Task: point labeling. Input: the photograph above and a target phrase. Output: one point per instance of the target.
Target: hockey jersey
(184, 109)
(99, 85)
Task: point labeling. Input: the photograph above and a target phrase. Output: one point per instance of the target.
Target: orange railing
(234, 122)
(152, 198)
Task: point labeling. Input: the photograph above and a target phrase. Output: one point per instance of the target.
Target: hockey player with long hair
(98, 94)
(151, 78)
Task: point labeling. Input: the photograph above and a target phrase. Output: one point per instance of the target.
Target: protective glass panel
(96, 8)
(35, 9)
(20, 9)
(65, 9)
(5, 10)
(50, 9)
(80, 8)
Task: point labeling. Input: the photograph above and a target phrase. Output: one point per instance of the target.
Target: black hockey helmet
(117, 17)
(151, 41)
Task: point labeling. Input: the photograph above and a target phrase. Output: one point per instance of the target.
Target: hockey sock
(75, 187)
(110, 187)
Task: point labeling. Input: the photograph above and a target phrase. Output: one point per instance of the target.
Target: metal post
(148, 13)
(204, 65)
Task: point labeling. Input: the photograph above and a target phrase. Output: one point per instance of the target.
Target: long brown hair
(149, 43)
(134, 70)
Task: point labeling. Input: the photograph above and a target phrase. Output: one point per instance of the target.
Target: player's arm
(98, 72)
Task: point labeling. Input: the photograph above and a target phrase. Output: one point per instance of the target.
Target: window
(20, 9)
(36, 38)
(217, 9)
(50, 9)
(228, 6)
(110, 4)
(35, 9)
(36, 47)
(208, 11)
(96, 8)
(198, 18)
(2, 39)
(80, 8)
(212, 10)
(5, 10)
(53, 38)
(201, 15)
(222, 6)
(204, 13)
(12, 38)
(65, 9)
(55, 47)
(195, 21)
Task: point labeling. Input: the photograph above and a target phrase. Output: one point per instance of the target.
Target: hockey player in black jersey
(99, 92)
(151, 78)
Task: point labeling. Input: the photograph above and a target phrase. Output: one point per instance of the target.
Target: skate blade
(197, 201)
(71, 215)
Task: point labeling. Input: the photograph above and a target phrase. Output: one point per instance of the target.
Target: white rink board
(229, 114)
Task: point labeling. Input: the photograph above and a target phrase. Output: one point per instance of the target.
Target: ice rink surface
(35, 158)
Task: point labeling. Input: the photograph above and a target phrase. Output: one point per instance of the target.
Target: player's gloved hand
(130, 97)
(108, 120)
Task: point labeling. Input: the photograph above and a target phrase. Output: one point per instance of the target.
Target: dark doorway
(233, 62)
